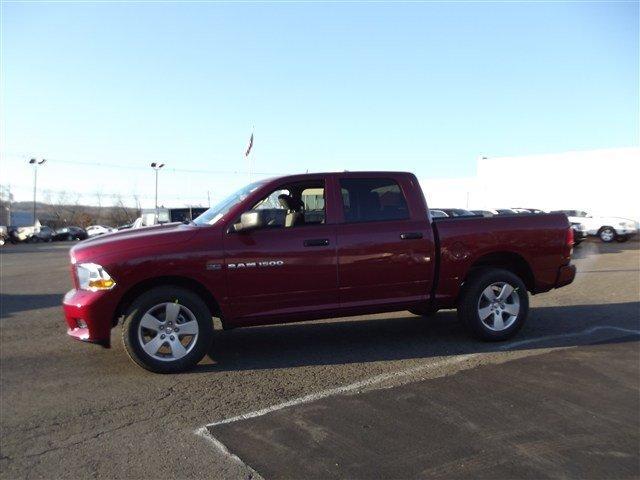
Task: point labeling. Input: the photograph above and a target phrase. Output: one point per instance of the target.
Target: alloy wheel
(499, 306)
(168, 331)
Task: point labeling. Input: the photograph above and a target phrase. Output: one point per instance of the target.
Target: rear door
(385, 241)
(287, 268)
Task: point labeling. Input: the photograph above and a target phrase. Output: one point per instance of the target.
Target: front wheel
(607, 234)
(167, 330)
(494, 304)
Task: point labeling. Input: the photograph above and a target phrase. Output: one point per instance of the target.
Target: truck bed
(533, 243)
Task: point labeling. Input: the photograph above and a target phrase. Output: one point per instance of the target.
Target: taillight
(569, 243)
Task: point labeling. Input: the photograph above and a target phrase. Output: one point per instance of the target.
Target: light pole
(35, 164)
(156, 167)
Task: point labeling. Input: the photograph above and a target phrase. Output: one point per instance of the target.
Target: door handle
(316, 242)
(411, 235)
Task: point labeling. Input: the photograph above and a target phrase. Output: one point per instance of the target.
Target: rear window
(372, 200)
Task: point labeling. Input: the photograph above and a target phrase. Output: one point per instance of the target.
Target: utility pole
(156, 167)
(35, 164)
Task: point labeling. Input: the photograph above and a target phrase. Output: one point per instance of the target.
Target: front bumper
(93, 309)
(566, 274)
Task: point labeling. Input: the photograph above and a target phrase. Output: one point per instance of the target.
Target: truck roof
(347, 173)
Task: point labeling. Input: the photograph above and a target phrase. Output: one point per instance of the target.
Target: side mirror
(262, 218)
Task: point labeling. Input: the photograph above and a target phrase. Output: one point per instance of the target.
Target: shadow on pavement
(360, 341)
(596, 247)
(11, 303)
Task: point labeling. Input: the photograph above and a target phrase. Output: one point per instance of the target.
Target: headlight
(93, 277)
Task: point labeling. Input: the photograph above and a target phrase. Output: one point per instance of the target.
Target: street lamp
(156, 167)
(35, 164)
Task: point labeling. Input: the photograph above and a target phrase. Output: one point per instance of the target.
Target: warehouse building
(601, 182)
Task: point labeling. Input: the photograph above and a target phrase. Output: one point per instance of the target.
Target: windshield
(216, 212)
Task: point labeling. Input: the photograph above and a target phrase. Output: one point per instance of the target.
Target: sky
(102, 89)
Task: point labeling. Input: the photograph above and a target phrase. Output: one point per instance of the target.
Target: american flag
(249, 146)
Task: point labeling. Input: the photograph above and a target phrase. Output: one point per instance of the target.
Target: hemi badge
(214, 266)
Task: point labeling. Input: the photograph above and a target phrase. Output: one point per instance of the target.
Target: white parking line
(378, 379)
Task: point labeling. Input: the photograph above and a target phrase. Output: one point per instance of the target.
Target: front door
(287, 268)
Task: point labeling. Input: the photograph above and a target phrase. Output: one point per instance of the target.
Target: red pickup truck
(305, 247)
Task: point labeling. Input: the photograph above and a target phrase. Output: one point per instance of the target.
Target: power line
(141, 167)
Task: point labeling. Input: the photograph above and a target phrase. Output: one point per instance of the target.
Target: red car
(306, 247)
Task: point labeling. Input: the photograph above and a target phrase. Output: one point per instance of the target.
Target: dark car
(484, 213)
(70, 233)
(457, 212)
(579, 233)
(45, 234)
(506, 211)
(435, 213)
(535, 211)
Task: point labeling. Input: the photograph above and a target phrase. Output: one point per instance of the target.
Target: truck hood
(133, 239)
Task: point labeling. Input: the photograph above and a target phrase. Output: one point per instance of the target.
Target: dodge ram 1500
(306, 247)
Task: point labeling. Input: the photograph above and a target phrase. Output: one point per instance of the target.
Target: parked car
(43, 234)
(457, 212)
(535, 211)
(607, 229)
(4, 235)
(579, 232)
(125, 226)
(435, 213)
(505, 211)
(485, 213)
(259, 257)
(70, 233)
(95, 230)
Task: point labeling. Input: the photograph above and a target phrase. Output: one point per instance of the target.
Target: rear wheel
(607, 234)
(167, 330)
(494, 304)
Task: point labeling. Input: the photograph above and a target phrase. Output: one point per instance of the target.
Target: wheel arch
(168, 280)
(511, 261)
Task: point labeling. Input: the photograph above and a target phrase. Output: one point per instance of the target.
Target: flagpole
(248, 155)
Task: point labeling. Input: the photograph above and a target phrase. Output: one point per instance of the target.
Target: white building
(602, 182)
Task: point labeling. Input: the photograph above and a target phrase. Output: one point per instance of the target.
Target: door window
(295, 205)
(372, 200)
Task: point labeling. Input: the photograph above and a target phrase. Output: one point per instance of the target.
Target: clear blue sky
(425, 87)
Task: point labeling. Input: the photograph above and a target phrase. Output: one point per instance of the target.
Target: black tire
(147, 301)
(622, 238)
(607, 234)
(429, 311)
(470, 298)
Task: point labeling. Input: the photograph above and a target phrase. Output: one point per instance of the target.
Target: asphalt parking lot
(384, 396)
